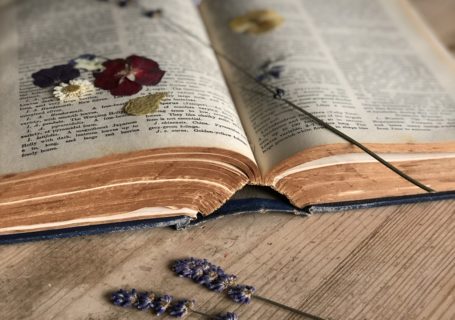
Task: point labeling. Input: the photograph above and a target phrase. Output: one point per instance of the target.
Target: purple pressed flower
(124, 298)
(181, 308)
(55, 75)
(241, 293)
(160, 304)
(228, 316)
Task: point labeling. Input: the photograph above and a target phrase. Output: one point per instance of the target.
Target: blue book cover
(249, 200)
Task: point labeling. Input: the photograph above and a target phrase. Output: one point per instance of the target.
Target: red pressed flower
(125, 77)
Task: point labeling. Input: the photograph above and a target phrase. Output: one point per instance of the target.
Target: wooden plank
(394, 262)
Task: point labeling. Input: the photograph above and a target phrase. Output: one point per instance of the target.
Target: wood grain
(384, 263)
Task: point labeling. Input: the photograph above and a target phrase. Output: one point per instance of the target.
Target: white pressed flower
(74, 90)
(95, 64)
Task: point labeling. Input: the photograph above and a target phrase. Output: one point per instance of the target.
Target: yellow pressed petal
(256, 22)
(144, 105)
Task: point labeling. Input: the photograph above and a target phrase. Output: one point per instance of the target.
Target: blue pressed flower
(181, 308)
(241, 293)
(228, 316)
(55, 75)
(145, 300)
(161, 304)
(124, 298)
(88, 61)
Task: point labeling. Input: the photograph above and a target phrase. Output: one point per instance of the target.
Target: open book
(369, 68)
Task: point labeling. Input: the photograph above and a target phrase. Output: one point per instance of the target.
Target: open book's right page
(368, 67)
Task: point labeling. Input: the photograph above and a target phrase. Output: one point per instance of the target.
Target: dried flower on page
(74, 90)
(256, 22)
(57, 74)
(125, 77)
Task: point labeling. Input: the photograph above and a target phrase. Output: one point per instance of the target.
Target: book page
(37, 130)
(366, 67)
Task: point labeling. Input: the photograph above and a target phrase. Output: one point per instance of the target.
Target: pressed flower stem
(299, 312)
(319, 121)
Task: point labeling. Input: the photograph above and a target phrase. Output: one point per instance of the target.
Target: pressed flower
(124, 77)
(89, 62)
(144, 105)
(74, 90)
(256, 22)
(52, 76)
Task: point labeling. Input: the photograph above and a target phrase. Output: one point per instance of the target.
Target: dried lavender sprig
(145, 301)
(196, 269)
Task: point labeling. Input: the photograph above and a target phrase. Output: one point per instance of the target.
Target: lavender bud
(181, 308)
(145, 300)
(241, 293)
(160, 304)
(228, 316)
(124, 298)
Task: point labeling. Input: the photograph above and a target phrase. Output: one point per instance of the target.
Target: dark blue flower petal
(52, 76)
(67, 73)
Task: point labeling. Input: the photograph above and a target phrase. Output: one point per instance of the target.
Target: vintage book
(371, 68)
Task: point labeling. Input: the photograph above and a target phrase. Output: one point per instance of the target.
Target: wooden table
(385, 263)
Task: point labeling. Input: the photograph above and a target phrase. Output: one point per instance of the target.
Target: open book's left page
(37, 130)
